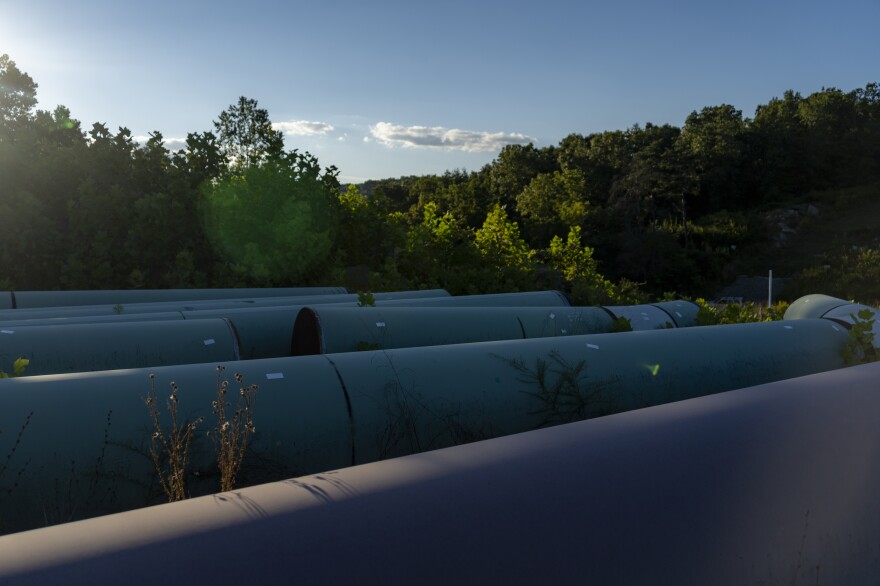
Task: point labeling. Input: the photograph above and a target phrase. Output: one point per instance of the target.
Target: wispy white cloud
(172, 144)
(303, 128)
(444, 138)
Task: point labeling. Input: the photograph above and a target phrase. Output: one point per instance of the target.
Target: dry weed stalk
(232, 434)
(170, 450)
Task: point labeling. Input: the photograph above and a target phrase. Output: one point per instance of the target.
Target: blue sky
(390, 88)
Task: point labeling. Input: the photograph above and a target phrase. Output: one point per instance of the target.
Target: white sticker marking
(274, 375)
(788, 327)
(380, 324)
(836, 329)
(209, 341)
(564, 331)
(552, 316)
(7, 331)
(646, 318)
(593, 346)
(678, 314)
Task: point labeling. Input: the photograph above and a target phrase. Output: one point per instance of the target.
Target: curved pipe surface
(206, 304)
(812, 306)
(324, 412)
(32, 299)
(329, 329)
(110, 346)
(772, 483)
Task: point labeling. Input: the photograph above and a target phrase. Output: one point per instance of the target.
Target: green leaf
(19, 366)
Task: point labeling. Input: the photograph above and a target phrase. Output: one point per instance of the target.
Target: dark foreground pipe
(91, 432)
(775, 484)
(31, 299)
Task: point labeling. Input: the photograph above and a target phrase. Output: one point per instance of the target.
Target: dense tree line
(659, 206)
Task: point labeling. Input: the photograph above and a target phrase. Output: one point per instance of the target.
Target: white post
(770, 290)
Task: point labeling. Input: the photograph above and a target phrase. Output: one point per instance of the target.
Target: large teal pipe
(839, 310)
(5, 300)
(330, 329)
(323, 412)
(31, 299)
(90, 347)
(263, 332)
(94, 319)
(214, 304)
(766, 485)
(812, 306)
(416, 399)
(78, 445)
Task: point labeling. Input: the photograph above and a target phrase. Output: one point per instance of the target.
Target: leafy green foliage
(738, 313)
(366, 299)
(274, 223)
(860, 348)
(664, 207)
(246, 136)
(18, 368)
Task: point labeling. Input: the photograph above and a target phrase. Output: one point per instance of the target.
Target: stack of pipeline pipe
(162, 333)
(771, 484)
(77, 445)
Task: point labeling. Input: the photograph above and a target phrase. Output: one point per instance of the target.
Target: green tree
(502, 247)
(575, 262)
(246, 136)
(551, 201)
(274, 223)
(18, 97)
(714, 139)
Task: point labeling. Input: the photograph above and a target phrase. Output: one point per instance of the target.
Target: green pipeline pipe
(815, 305)
(263, 332)
(93, 319)
(525, 299)
(91, 347)
(32, 299)
(322, 412)
(657, 316)
(730, 489)
(243, 303)
(415, 399)
(839, 310)
(683, 313)
(330, 329)
(78, 445)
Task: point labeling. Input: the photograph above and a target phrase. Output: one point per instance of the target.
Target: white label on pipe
(564, 331)
(209, 341)
(380, 324)
(7, 332)
(678, 314)
(552, 316)
(788, 327)
(274, 375)
(836, 329)
(646, 318)
(593, 346)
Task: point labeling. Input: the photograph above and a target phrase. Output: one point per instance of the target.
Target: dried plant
(170, 450)
(232, 434)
